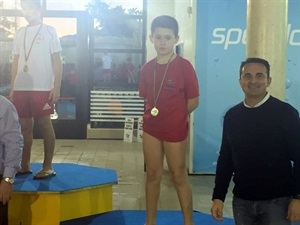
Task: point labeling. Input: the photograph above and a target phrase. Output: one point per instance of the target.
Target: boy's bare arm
(57, 69)
(192, 104)
(14, 70)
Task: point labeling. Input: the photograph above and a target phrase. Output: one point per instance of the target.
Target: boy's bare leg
(176, 159)
(27, 132)
(153, 154)
(48, 134)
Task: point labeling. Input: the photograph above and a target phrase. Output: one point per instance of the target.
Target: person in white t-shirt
(107, 64)
(36, 78)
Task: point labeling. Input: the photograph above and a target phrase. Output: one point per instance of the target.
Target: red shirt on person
(180, 84)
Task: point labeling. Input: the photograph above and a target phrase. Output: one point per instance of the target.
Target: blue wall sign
(220, 48)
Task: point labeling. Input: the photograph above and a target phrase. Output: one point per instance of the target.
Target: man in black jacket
(261, 150)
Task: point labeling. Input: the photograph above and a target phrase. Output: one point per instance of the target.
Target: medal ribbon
(163, 79)
(24, 45)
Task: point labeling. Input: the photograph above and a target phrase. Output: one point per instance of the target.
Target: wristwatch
(9, 180)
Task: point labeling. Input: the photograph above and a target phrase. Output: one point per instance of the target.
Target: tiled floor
(127, 160)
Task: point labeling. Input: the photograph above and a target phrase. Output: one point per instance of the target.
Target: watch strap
(9, 180)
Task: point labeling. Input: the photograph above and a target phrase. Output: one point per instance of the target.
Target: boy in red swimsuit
(169, 86)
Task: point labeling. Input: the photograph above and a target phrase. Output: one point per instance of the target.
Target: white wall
(185, 13)
(187, 23)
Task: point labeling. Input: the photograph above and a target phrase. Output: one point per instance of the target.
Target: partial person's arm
(192, 104)
(12, 143)
(191, 86)
(223, 176)
(292, 132)
(57, 70)
(217, 209)
(14, 70)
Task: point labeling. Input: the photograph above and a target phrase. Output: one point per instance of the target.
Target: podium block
(76, 191)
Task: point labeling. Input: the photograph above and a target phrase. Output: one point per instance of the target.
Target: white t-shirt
(40, 75)
(106, 62)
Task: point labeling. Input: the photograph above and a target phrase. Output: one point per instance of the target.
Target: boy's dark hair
(165, 21)
(255, 60)
(37, 3)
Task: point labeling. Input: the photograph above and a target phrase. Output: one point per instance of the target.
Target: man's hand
(6, 190)
(217, 210)
(54, 95)
(293, 214)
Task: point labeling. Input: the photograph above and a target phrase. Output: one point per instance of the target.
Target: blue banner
(220, 48)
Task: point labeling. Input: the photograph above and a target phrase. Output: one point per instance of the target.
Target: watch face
(9, 180)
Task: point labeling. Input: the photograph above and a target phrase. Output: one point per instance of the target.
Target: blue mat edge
(60, 182)
(125, 217)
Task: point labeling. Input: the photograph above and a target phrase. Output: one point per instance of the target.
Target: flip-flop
(26, 172)
(44, 174)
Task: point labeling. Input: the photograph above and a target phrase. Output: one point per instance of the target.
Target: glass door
(71, 111)
(88, 33)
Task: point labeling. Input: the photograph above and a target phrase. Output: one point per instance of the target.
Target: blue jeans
(267, 212)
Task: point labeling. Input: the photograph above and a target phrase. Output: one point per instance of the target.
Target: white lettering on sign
(235, 36)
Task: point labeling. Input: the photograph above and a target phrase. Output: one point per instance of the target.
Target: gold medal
(154, 111)
(26, 55)
(25, 68)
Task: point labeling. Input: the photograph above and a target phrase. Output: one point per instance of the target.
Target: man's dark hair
(37, 3)
(165, 21)
(255, 60)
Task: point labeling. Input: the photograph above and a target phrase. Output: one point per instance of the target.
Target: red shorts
(33, 103)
